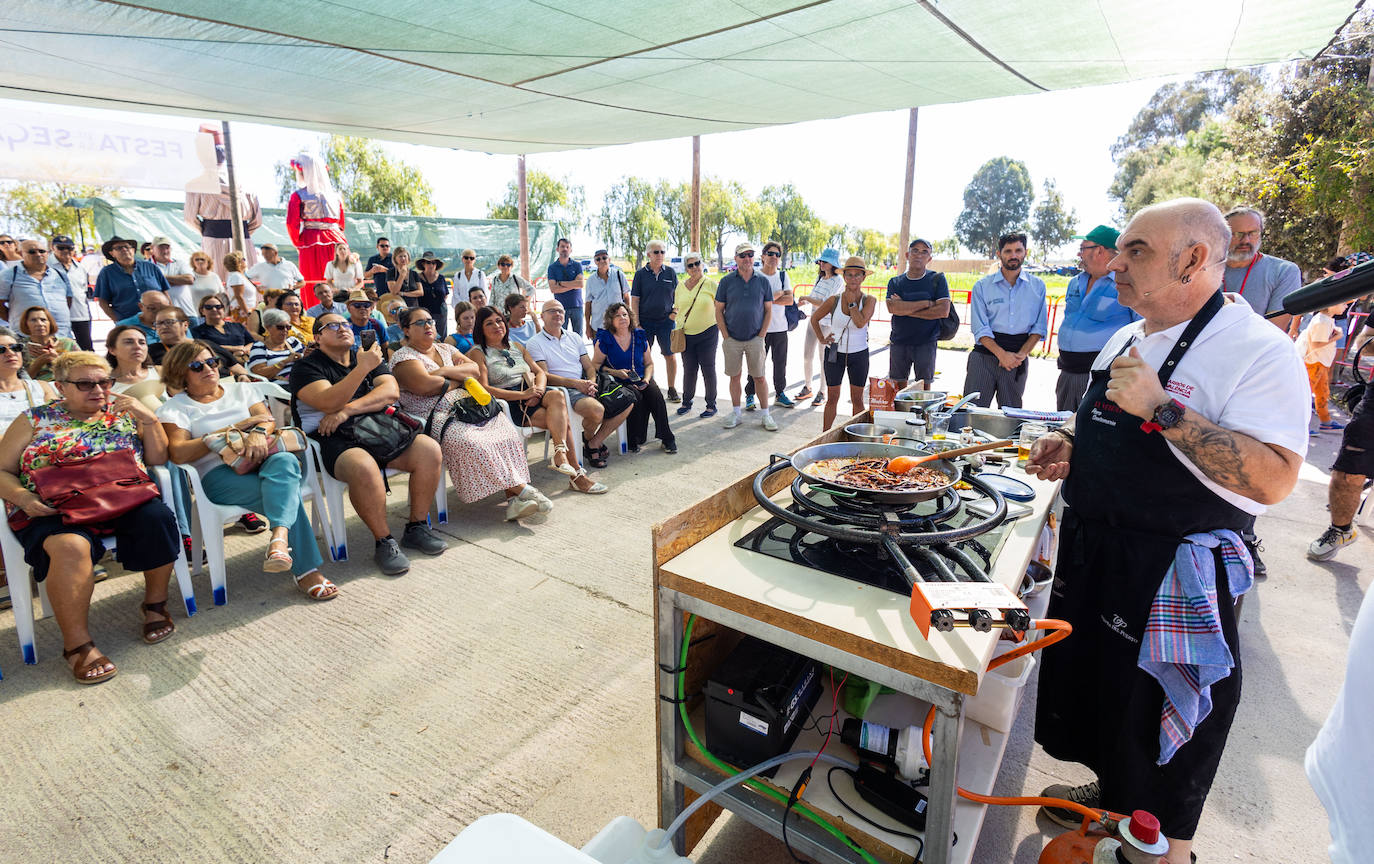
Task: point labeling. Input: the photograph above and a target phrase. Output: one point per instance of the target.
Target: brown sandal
(150, 627)
(79, 672)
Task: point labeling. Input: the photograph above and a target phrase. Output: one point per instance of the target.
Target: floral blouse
(58, 435)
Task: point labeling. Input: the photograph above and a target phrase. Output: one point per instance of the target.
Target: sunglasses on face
(279, 327)
(383, 245)
(88, 386)
(170, 322)
(745, 255)
(601, 257)
(199, 365)
(37, 251)
(469, 258)
(6, 242)
(772, 253)
(693, 263)
(361, 304)
(211, 306)
(422, 322)
(657, 252)
(334, 326)
(11, 349)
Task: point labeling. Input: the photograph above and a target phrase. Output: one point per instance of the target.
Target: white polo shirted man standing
(275, 272)
(179, 275)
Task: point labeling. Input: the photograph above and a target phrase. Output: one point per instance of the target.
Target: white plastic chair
(334, 500)
(209, 519)
(20, 582)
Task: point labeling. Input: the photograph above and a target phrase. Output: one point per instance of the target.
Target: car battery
(757, 701)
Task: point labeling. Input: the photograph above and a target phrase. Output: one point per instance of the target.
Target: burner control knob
(1017, 619)
(980, 620)
(942, 620)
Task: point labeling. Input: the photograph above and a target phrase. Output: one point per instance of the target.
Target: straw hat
(854, 262)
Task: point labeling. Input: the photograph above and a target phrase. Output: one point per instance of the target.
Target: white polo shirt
(564, 355)
(279, 276)
(1242, 374)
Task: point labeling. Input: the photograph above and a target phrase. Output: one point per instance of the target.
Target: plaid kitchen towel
(1184, 648)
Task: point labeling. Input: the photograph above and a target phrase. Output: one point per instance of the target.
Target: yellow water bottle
(477, 391)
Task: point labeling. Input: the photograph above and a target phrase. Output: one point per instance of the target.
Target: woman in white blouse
(344, 273)
(828, 284)
(17, 394)
(471, 276)
(206, 404)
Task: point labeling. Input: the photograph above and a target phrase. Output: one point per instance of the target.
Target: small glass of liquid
(1030, 433)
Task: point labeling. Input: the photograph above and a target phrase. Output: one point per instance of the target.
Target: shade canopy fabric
(523, 76)
(447, 238)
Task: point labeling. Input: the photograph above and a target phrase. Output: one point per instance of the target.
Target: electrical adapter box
(757, 702)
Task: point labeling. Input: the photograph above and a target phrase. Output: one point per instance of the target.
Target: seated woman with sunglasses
(218, 330)
(87, 420)
(509, 373)
(206, 404)
(273, 357)
(17, 394)
(481, 459)
(302, 325)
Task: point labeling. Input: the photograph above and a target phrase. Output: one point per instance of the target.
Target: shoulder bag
(793, 313)
(385, 435)
(231, 444)
(91, 490)
(457, 405)
(677, 340)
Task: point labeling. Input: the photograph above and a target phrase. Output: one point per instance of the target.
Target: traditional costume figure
(315, 221)
(211, 215)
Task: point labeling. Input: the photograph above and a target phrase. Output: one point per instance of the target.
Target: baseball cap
(746, 246)
(162, 240)
(1102, 235)
(62, 240)
(271, 246)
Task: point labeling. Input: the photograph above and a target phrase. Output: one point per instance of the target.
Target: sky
(849, 170)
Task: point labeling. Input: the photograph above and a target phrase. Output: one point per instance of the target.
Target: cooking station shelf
(866, 630)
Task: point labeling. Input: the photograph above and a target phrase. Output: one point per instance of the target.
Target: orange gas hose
(1060, 631)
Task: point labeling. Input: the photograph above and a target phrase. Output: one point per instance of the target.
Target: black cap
(62, 240)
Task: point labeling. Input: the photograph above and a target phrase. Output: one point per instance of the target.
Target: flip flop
(79, 673)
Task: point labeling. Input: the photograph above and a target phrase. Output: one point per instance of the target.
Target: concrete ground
(515, 673)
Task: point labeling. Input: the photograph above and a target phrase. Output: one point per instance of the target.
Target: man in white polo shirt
(563, 354)
(274, 271)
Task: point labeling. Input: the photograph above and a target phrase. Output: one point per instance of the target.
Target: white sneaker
(529, 493)
(1332, 539)
(519, 508)
(769, 423)
(732, 421)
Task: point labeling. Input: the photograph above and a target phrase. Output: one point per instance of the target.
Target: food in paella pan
(872, 475)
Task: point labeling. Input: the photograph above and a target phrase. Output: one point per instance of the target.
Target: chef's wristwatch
(1167, 416)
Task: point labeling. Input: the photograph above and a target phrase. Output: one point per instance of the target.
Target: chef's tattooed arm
(1261, 472)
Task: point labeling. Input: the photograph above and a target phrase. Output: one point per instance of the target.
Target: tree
(1052, 226)
(876, 247)
(718, 202)
(547, 198)
(754, 218)
(996, 201)
(39, 209)
(796, 227)
(675, 206)
(1177, 109)
(369, 180)
(948, 247)
(629, 217)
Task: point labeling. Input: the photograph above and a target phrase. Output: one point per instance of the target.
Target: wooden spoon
(903, 464)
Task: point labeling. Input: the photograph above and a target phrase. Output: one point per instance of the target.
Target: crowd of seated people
(174, 388)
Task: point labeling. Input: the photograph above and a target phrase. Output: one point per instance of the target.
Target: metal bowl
(995, 423)
(918, 400)
(869, 433)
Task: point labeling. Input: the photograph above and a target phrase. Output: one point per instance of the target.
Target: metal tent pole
(235, 217)
(522, 212)
(904, 234)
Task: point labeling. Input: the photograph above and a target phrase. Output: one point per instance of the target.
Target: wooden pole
(522, 212)
(904, 235)
(234, 215)
(696, 194)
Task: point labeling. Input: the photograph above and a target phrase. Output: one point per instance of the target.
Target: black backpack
(950, 325)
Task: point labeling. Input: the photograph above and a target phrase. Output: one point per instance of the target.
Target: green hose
(780, 797)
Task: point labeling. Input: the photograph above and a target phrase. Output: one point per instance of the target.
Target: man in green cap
(1092, 314)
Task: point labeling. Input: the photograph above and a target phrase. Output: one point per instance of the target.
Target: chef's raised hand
(1134, 385)
(1049, 457)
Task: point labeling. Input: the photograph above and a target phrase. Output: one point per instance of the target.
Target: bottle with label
(899, 748)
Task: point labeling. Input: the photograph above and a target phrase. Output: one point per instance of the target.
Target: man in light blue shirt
(1092, 314)
(33, 283)
(1008, 318)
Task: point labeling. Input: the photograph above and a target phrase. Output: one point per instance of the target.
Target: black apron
(1131, 503)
